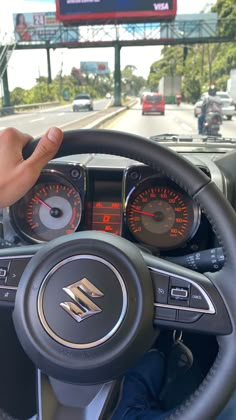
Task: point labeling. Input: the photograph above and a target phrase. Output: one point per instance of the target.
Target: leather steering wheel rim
(209, 399)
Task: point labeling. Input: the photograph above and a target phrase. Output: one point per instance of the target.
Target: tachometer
(161, 216)
(49, 210)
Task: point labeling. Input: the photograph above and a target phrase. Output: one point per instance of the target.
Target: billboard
(29, 27)
(94, 67)
(94, 11)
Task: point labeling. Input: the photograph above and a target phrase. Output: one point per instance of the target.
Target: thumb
(46, 148)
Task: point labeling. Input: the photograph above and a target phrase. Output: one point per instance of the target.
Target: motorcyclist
(178, 98)
(211, 103)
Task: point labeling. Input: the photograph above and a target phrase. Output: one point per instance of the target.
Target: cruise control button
(179, 293)
(197, 300)
(188, 316)
(166, 314)
(161, 286)
(7, 295)
(16, 270)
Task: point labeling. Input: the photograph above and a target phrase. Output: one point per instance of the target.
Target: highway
(177, 120)
(38, 121)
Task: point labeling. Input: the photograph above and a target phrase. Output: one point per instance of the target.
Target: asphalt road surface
(38, 121)
(177, 120)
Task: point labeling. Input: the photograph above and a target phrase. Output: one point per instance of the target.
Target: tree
(131, 83)
(200, 64)
(18, 96)
(226, 10)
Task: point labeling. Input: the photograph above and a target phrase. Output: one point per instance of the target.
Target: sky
(25, 66)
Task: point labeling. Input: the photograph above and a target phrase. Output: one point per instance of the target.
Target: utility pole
(49, 65)
(117, 76)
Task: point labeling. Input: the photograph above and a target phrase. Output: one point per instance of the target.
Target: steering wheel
(89, 305)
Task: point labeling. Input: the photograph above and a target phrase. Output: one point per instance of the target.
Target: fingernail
(54, 134)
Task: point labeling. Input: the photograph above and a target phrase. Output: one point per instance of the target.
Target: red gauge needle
(44, 204)
(144, 212)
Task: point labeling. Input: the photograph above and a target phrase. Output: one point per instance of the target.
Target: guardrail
(9, 110)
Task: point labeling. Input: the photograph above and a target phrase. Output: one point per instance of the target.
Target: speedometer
(162, 216)
(50, 209)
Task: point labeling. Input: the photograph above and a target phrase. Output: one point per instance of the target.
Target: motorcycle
(178, 101)
(211, 125)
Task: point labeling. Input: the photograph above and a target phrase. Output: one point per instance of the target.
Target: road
(38, 121)
(177, 120)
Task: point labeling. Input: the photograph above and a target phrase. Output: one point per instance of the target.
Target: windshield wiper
(178, 138)
(212, 139)
(171, 137)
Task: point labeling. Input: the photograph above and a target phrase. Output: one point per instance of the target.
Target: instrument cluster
(137, 203)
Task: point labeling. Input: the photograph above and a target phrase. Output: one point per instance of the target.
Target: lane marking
(69, 123)
(61, 113)
(17, 116)
(38, 119)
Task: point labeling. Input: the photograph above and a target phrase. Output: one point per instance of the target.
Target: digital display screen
(126, 10)
(106, 217)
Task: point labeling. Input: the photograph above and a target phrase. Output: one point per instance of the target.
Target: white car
(82, 101)
(227, 104)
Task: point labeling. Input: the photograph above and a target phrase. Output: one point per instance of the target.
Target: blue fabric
(141, 388)
(201, 120)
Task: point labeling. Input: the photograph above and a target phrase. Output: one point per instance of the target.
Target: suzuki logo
(83, 307)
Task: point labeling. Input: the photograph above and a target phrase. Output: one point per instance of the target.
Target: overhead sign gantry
(95, 12)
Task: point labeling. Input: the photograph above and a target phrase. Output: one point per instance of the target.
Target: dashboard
(114, 195)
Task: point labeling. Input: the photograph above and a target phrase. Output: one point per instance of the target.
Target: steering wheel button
(197, 300)
(4, 266)
(161, 286)
(16, 270)
(188, 316)
(7, 295)
(166, 314)
(177, 282)
(3, 273)
(179, 293)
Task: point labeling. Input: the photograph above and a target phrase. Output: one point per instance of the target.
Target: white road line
(38, 119)
(15, 116)
(61, 113)
(66, 124)
(186, 127)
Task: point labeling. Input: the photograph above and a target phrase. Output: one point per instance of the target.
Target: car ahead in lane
(153, 103)
(82, 101)
(228, 106)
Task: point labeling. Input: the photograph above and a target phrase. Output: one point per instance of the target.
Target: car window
(153, 99)
(223, 95)
(82, 97)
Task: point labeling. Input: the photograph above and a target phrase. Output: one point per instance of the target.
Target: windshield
(47, 63)
(82, 97)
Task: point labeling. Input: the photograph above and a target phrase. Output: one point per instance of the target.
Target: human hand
(17, 175)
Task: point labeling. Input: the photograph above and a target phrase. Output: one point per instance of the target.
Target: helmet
(212, 90)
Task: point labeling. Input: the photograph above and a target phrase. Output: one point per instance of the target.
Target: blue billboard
(93, 11)
(94, 67)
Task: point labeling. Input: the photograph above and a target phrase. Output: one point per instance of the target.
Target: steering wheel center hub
(82, 301)
(81, 308)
